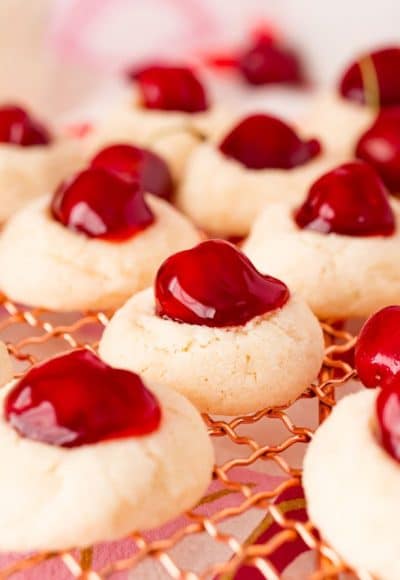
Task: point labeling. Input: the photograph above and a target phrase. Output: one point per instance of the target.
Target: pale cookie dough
(339, 276)
(338, 123)
(352, 488)
(25, 172)
(45, 264)
(55, 498)
(224, 197)
(169, 134)
(268, 362)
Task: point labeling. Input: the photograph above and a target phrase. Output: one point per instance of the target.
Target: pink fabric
(110, 552)
(90, 32)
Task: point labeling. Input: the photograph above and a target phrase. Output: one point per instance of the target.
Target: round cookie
(167, 134)
(339, 275)
(227, 371)
(351, 485)
(164, 102)
(25, 174)
(55, 497)
(44, 263)
(224, 196)
(31, 159)
(223, 367)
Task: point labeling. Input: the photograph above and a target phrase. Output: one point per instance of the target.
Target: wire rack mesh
(270, 442)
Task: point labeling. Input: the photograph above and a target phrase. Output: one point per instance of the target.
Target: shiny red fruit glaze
(214, 284)
(380, 147)
(19, 128)
(377, 352)
(135, 164)
(76, 399)
(266, 62)
(101, 205)
(388, 415)
(265, 142)
(350, 200)
(170, 88)
(385, 65)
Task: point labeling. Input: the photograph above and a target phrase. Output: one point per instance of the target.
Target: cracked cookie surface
(55, 498)
(267, 362)
(45, 264)
(224, 197)
(339, 276)
(351, 485)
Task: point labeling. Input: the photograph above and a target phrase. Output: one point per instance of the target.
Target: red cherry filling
(135, 164)
(76, 399)
(350, 200)
(388, 415)
(374, 77)
(266, 62)
(18, 128)
(101, 205)
(214, 284)
(377, 352)
(380, 147)
(170, 88)
(265, 142)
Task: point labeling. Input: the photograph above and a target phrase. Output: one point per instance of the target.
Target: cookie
(351, 485)
(169, 136)
(214, 329)
(160, 113)
(31, 160)
(368, 84)
(226, 185)
(340, 249)
(91, 245)
(80, 476)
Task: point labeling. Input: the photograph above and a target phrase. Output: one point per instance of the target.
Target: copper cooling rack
(269, 442)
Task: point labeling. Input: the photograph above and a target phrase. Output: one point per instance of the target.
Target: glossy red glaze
(377, 352)
(350, 200)
(388, 415)
(385, 65)
(19, 128)
(101, 205)
(214, 284)
(266, 62)
(380, 147)
(76, 399)
(170, 88)
(136, 164)
(265, 142)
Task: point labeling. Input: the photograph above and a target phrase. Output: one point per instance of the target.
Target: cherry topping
(373, 77)
(19, 128)
(388, 414)
(264, 142)
(101, 205)
(266, 62)
(350, 200)
(135, 164)
(75, 399)
(380, 147)
(170, 88)
(215, 284)
(377, 352)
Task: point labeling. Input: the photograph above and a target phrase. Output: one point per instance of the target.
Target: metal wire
(33, 334)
